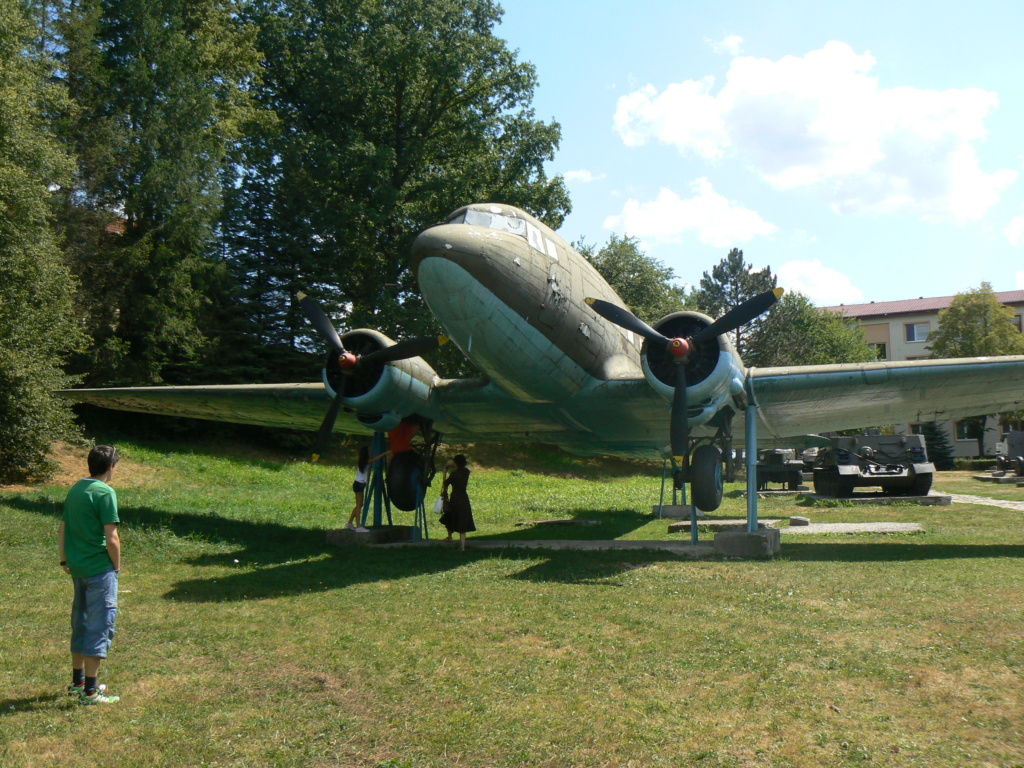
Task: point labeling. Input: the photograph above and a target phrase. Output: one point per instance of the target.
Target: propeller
(680, 348)
(349, 362)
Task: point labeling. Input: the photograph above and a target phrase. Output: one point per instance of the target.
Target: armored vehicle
(896, 463)
(779, 465)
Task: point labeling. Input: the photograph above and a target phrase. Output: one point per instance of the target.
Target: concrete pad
(851, 528)
(385, 534)
(728, 524)
(779, 491)
(931, 500)
(1000, 479)
(760, 543)
(675, 511)
(799, 520)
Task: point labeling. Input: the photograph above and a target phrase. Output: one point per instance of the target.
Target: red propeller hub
(679, 348)
(347, 361)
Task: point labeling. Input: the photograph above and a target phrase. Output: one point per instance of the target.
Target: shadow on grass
(852, 551)
(256, 541)
(611, 524)
(31, 703)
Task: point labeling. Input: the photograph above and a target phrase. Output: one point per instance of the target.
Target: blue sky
(865, 151)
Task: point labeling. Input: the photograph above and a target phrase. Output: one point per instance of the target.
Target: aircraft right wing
(799, 400)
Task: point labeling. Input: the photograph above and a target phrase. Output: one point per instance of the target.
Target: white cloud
(821, 121)
(716, 220)
(583, 176)
(824, 286)
(732, 45)
(1015, 233)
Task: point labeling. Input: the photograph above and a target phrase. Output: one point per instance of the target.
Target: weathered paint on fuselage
(510, 293)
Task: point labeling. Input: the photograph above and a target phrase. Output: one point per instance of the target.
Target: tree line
(172, 172)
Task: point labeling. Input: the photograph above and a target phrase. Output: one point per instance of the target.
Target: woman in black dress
(458, 515)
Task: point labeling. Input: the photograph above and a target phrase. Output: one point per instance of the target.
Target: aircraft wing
(294, 406)
(799, 400)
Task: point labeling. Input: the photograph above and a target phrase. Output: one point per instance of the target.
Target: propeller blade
(679, 420)
(737, 316)
(404, 349)
(319, 320)
(625, 319)
(320, 446)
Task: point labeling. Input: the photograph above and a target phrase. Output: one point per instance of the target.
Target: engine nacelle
(713, 371)
(381, 394)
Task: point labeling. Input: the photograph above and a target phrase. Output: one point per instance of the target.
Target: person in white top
(359, 486)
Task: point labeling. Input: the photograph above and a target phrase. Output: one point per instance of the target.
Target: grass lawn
(243, 640)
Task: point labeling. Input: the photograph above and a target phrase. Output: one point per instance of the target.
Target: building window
(961, 431)
(917, 331)
(917, 429)
(1016, 321)
(881, 351)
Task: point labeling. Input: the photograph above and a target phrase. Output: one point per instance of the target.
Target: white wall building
(899, 331)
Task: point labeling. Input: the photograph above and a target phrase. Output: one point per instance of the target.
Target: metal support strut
(378, 493)
(751, 455)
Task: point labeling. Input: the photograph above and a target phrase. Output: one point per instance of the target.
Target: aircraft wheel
(403, 480)
(706, 478)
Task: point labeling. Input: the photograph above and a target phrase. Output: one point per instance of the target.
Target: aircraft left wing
(295, 406)
(799, 400)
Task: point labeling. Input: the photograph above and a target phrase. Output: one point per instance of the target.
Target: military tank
(779, 465)
(898, 464)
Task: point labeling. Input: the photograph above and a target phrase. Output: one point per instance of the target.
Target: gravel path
(966, 499)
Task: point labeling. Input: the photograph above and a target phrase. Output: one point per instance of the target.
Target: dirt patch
(72, 467)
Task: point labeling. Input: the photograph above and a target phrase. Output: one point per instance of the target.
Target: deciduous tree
(37, 328)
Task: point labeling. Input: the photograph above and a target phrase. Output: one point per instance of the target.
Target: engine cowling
(712, 372)
(381, 394)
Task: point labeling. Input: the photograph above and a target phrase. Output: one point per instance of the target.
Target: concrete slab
(744, 544)
(1000, 479)
(385, 534)
(728, 524)
(931, 500)
(675, 511)
(779, 491)
(851, 528)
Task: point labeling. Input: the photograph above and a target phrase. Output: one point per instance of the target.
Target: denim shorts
(93, 613)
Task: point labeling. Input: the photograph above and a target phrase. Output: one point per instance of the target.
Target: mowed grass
(244, 640)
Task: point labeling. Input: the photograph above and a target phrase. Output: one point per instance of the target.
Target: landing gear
(706, 478)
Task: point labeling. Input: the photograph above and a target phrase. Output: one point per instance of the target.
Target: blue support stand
(751, 455)
(419, 531)
(377, 494)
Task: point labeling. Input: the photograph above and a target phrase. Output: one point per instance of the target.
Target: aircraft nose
(436, 241)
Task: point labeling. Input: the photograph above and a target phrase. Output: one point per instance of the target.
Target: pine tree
(730, 283)
(940, 452)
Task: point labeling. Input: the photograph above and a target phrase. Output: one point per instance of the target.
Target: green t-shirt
(90, 505)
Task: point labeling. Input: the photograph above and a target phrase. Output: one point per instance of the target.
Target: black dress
(458, 518)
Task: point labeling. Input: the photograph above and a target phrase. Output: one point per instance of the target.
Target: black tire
(922, 484)
(1019, 461)
(403, 480)
(706, 478)
(844, 486)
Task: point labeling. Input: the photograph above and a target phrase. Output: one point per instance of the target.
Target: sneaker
(100, 697)
(350, 526)
(78, 690)
(360, 529)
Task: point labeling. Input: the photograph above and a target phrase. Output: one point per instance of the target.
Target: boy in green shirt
(90, 552)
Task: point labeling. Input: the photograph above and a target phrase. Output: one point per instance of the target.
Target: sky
(864, 151)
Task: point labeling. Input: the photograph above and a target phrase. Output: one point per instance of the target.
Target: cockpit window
(493, 221)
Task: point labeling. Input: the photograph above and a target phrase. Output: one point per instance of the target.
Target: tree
(163, 88)
(391, 114)
(731, 282)
(795, 332)
(976, 324)
(940, 452)
(36, 320)
(643, 282)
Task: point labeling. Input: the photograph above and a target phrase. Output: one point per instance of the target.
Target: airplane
(564, 362)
